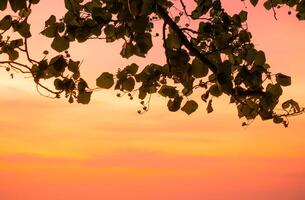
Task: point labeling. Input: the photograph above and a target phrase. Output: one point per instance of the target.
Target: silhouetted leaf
(3, 4)
(283, 80)
(17, 4)
(60, 44)
(254, 2)
(84, 98)
(209, 107)
(6, 22)
(190, 107)
(105, 80)
(168, 91)
(128, 84)
(215, 91)
(199, 69)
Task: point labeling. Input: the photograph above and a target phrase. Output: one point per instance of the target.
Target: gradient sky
(52, 150)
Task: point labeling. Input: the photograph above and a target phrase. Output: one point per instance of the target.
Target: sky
(52, 150)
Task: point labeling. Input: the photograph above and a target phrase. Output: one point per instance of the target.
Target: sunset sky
(53, 150)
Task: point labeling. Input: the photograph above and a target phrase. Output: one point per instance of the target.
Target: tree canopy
(206, 49)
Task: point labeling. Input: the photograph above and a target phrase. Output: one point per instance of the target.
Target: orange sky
(52, 150)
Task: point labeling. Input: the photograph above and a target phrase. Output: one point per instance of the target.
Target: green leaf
(251, 54)
(144, 43)
(268, 5)
(50, 21)
(172, 41)
(260, 58)
(72, 5)
(244, 36)
(59, 84)
(199, 69)
(60, 44)
(34, 1)
(215, 91)
(190, 107)
(59, 63)
(293, 104)
(243, 16)
(6, 22)
(135, 7)
(168, 91)
(73, 66)
(13, 55)
(23, 29)
(50, 31)
(84, 98)
(3, 4)
(105, 80)
(132, 69)
(278, 120)
(286, 105)
(17, 4)
(275, 90)
(283, 80)
(254, 2)
(175, 104)
(16, 43)
(82, 85)
(128, 84)
(127, 50)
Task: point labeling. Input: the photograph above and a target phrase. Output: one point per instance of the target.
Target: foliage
(213, 53)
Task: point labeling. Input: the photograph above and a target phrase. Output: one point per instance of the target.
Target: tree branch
(193, 50)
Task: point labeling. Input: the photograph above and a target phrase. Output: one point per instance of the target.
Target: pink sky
(52, 150)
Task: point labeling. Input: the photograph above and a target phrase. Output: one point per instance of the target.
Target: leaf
(199, 69)
(13, 55)
(17, 4)
(209, 107)
(134, 7)
(268, 5)
(243, 16)
(127, 50)
(6, 22)
(59, 84)
(174, 105)
(172, 41)
(190, 107)
(73, 66)
(278, 120)
(59, 63)
(244, 36)
(283, 80)
(168, 91)
(50, 21)
(50, 31)
(128, 84)
(260, 58)
(293, 104)
(34, 1)
(82, 85)
(60, 44)
(84, 98)
(132, 69)
(23, 29)
(275, 90)
(16, 43)
(254, 2)
(3, 4)
(286, 105)
(105, 80)
(215, 91)
(144, 42)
